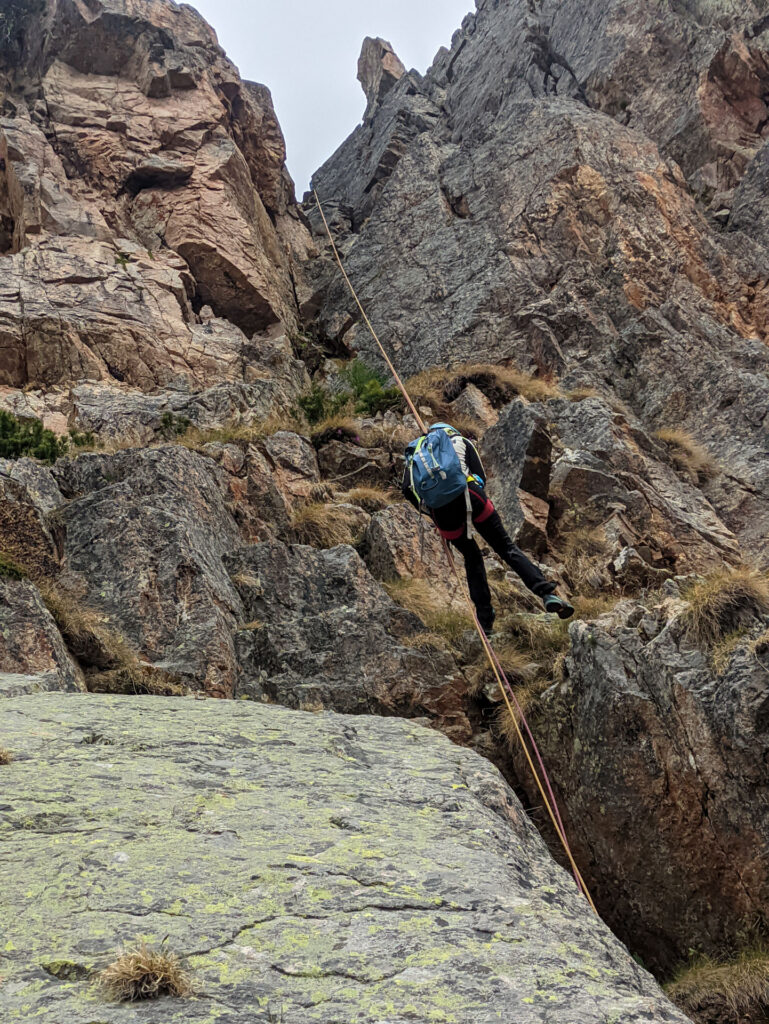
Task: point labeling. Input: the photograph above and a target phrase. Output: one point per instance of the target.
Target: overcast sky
(306, 52)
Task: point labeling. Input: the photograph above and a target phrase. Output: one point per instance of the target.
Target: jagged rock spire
(379, 68)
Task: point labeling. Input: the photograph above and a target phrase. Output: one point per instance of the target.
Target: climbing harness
(513, 706)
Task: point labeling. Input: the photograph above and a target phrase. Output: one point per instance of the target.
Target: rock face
(141, 181)
(323, 634)
(564, 229)
(645, 738)
(33, 657)
(563, 465)
(320, 868)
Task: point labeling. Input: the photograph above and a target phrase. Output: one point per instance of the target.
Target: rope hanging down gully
(514, 708)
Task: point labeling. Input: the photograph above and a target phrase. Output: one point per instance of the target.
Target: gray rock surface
(144, 535)
(322, 633)
(33, 657)
(661, 767)
(591, 464)
(512, 224)
(307, 869)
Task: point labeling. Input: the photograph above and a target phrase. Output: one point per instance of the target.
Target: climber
(444, 476)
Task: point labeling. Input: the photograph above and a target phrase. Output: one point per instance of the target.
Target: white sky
(306, 53)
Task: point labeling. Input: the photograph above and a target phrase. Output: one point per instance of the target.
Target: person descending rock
(444, 475)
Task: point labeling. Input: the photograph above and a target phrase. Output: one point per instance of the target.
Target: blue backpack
(434, 467)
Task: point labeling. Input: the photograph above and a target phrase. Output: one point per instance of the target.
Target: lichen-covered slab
(309, 868)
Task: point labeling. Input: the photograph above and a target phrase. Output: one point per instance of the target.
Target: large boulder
(144, 534)
(660, 761)
(322, 633)
(309, 868)
(33, 656)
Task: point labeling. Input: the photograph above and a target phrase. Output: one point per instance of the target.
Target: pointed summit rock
(379, 68)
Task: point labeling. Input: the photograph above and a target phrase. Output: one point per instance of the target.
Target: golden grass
(721, 653)
(114, 665)
(419, 597)
(591, 607)
(324, 526)
(761, 644)
(370, 499)
(723, 603)
(688, 457)
(235, 433)
(429, 387)
(5, 756)
(515, 663)
(142, 973)
(581, 393)
(585, 553)
(736, 987)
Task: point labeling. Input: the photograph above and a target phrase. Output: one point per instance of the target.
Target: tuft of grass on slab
(5, 756)
(688, 456)
(723, 603)
(419, 597)
(324, 526)
(724, 989)
(141, 973)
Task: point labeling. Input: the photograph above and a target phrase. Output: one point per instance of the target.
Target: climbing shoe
(557, 606)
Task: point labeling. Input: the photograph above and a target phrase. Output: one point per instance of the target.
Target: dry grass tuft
(112, 664)
(516, 664)
(142, 973)
(5, 756)
(370, 499)
(581, 393)
(722, 988)
(725, 602)
(419, 597)
(440, 386)
(324, 526)
(688, 457)
(721, 653)
(197, 438)
(585, 553)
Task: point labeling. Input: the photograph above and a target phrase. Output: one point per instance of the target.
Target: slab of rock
(322, 633)
(33, 656)
(379, 68)
(144, 533)
(322, 868)
(293, 462)
(351, 465)
(661, 768)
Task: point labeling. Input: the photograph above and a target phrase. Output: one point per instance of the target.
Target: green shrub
(369, 386)
(84, 439)
(28, 437)
(319, 404)
(172, 426)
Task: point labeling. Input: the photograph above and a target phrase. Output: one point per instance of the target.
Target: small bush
(142, 973)
(173, 425)
(82, 439)
(5, 756)
(688, 457)
(723, 990)
(20, 437)
(319, 404)
(369, 386)
(324, 526)
(725, 602)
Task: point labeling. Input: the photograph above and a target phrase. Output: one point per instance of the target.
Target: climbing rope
(513, 706)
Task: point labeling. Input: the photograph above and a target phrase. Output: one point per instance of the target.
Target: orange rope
(488, 649)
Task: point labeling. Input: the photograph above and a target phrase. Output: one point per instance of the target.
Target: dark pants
(451, 521)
